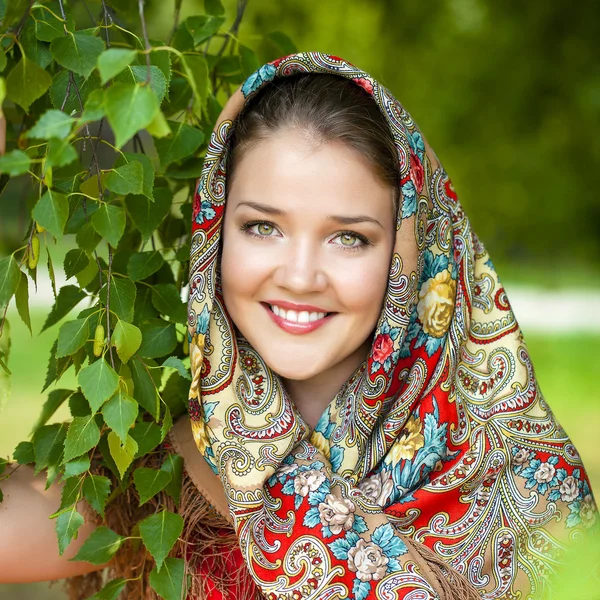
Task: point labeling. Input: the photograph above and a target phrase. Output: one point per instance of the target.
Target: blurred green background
(508, 95)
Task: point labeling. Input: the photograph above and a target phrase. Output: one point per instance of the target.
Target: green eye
(348, 239)
(264, 228)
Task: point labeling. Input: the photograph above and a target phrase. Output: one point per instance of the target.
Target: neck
(313, 395)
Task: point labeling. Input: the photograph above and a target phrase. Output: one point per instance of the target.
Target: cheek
(242, 271)
(362, 288)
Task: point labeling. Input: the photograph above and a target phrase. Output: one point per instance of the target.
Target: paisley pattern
(441, 435)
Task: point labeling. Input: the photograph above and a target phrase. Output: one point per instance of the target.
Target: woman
(359, 382)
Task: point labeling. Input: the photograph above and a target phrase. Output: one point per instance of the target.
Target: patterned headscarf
(442, 436)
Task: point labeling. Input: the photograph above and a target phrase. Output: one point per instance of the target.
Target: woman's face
(307, 244)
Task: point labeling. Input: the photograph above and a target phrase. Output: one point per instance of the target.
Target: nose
(300, 269)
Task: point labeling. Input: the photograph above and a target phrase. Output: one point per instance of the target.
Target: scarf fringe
(207, 537)
(451, 585)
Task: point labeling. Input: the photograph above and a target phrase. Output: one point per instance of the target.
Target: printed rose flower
(588, 510)
(378, 487)
(569, 489)
(436, 304)
(337, 513)
(285, 469)
(367, 560)
(521, 457)
(544, 473)
(383, 347)
(417, 173)
(308, 481)
(408, 442)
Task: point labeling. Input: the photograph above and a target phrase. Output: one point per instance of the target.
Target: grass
(566, 367)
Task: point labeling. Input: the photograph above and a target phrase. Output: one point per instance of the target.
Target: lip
(290, 326)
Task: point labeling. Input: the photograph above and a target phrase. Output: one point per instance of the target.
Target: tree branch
(175, 21)
(241, 7)
(108, 336)
(23, 19)
(146, 42)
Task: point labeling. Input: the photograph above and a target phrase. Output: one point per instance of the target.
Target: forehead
(295, 172)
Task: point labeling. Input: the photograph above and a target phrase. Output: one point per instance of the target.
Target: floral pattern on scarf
(442, 436)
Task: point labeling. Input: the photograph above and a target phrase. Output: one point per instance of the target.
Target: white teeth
(303, 317)
(295, 317)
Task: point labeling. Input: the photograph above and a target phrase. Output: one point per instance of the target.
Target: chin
(293, 371)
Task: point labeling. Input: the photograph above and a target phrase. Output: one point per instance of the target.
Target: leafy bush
(108, 129)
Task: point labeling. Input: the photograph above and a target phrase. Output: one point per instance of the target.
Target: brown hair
(325, 107)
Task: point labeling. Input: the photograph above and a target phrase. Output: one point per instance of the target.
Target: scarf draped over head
(441, 437)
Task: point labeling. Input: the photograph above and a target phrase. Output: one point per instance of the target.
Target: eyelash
(365, 242)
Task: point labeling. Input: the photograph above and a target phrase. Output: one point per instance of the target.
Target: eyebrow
(344, 220)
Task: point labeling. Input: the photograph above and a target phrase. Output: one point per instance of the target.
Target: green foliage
(111, 128)
(112, 61)
(48, 445)
(129, 108)
(26, 83)
(100, 547)
(67, 525)
(171, 582)
(109, 222)
(149, 482)
(76, 467)
(120, 413)
(127, 339)
(159, 533)
(111, 590)
(174, 466)
(15, 163)
(53, 123)
(77, 52)
(52, 212)
(68, 297)
(96, 489)
(72, 336)
(158, 338)
(122, 297)
(55, 400)
(122, 454)
(9, 278)
(82, 436)
(98, 381)
(126, 179)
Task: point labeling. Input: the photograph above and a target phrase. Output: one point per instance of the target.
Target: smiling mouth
(297, 316)
(297, 321)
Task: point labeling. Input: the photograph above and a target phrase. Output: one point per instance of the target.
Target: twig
(241, 7)
(67, 94)
(23, 19)
(110, 259)
(89, 12)
(94, 154)
(107, 17)
(138, 139)
(176, 21)
(146, 42)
